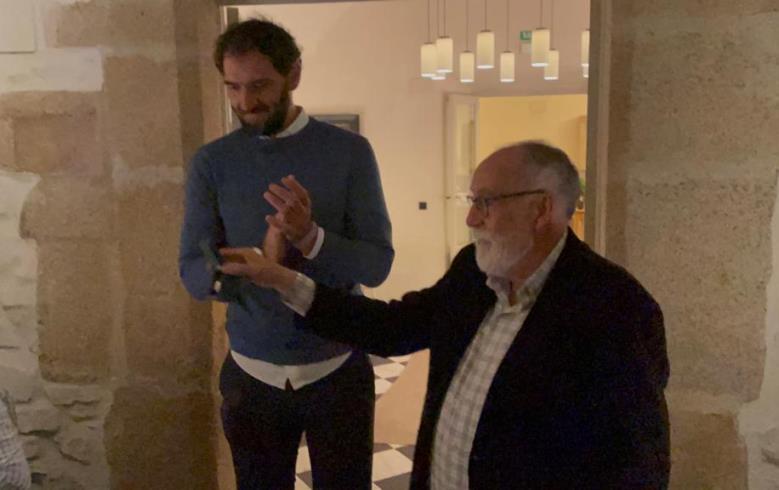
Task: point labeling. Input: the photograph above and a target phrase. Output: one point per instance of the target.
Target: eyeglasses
(482, 204)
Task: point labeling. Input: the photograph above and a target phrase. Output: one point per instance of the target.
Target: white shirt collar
(529, 291)
(297, 126)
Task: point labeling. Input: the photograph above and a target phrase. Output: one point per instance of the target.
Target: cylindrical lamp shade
(539, 46)
(438, 76)
(467, 63)
(485, 50)
(507, 67)
(586, 48)
(552, 70)
(428, 60)
(445, 48)
(586, 71)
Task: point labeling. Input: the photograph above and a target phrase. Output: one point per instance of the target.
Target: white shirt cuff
(320, 239)
(301, 295)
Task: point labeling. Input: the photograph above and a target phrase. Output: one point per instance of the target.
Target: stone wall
(107, 358)
(692, 160)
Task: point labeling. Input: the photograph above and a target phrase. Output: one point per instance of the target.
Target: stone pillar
(690, 156)
(108, 359)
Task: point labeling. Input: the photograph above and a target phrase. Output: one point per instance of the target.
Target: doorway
(360, 58)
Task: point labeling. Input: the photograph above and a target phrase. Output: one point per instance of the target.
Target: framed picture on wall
(350, 122)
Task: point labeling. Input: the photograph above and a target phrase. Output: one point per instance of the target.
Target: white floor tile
(387, 464)
(303, 462)
(389, 370)
(401, 358)
(382, 385)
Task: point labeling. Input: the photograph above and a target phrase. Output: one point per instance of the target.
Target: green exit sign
(525, 36)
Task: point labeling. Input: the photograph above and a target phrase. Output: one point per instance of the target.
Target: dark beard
(275, 121)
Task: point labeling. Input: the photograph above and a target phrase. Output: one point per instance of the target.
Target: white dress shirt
(464, 401)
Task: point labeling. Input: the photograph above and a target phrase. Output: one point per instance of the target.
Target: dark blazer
(578, 400)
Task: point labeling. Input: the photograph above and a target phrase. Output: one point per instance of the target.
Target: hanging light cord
(541, 13)
(587, 13)
(438, 19)
(444, 18)
(485, 15)
(467, 26)
(428, 22)
(551, 37)
(508, 16)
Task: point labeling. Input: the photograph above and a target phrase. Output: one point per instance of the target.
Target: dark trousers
(263, 425)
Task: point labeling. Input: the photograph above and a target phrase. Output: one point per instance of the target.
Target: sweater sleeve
(202, 223)
(363, 253)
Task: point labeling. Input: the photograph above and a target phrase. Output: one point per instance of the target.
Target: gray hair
(551, 166)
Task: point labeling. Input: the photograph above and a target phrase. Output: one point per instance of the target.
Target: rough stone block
(79, 442)
(707, 451)
(38, 416)
(31, 446)
(148, 227)
(68, 207)
(31, 104)
(709, 98)
(59, 144)
(713, 240)
(7, 144)
(25, 321)
(15, 187)
(77, 24)
(9, 338)
(157, 140)
(76, 310)
(162, 339)
(20, 382)
(18, 272)
(68, 394)
(142, 23)
(770, 447)
(150, 431)
(86, 412)
(695, 9)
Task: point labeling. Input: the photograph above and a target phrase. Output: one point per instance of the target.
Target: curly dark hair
(260, 35)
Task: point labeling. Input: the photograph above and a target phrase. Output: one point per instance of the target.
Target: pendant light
(552, 68)
(427, 52)
(539, 43)
(585, 54)
(444, 46)
(586, 47)
(467, 58)
(485, 46)
(507, 57)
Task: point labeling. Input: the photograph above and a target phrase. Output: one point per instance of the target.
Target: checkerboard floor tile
(386, 371)
(391, 467)
(391, 463)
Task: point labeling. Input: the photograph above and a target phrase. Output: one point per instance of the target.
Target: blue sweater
(224, 205)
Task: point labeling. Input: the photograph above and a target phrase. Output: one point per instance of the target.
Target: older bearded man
(547, 362)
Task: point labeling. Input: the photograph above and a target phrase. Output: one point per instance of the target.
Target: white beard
(495, 256)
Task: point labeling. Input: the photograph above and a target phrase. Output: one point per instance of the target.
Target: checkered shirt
(14, 471)
(465, 398)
